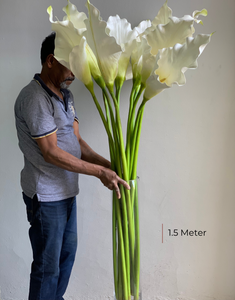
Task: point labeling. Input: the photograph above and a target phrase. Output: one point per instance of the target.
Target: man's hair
(48, 46)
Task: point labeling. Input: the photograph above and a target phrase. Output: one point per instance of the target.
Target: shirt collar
(65, 92)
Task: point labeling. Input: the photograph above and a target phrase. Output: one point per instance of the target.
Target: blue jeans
(53, 236)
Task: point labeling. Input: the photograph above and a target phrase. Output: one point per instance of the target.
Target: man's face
(63, 76)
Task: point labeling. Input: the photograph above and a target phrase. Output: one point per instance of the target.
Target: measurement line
(162, 233)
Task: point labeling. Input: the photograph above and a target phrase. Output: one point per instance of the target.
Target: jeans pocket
(32, 208)
(29, 207)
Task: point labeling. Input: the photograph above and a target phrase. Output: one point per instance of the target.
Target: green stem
(118, 85)
(120, 289)
(107, 112)
(136, 138)
(119, 129)
(128, 130)
(111, 142)
(106, 96)
(137, 246)
(126, 236)
(125, 176)
(122, 202)
(131, 125)
(136, 99)
(115, 135)
(132, 97)
(121, 252)
(115, 271)
(108, 102)
(126, 253)
(112, 148)
(134, 141)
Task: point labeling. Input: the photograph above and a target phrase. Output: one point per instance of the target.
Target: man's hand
(111, 180)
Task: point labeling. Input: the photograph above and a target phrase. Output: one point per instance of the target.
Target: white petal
(79, 64)
(176, 31)
(142, 27)
(163, 15)
(105, 47)
(129, 74)
(137, 59)
(120, 29)
(123, 63)
(93, 64)
(175, 61)
(76, 17)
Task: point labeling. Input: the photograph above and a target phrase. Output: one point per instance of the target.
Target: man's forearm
(89, 155)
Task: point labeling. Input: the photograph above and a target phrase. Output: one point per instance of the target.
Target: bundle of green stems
(125, 216)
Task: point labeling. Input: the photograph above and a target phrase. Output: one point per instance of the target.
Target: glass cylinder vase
(126, 244)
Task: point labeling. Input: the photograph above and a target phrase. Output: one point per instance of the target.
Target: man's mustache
(69, 79)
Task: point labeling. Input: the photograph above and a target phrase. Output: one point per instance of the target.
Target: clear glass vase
(126, 244)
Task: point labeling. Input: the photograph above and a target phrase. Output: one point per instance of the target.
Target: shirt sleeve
(37, 111)
(76, 119)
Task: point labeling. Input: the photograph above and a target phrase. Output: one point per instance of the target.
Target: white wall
(186, 164)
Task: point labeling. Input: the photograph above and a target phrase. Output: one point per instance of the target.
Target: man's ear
(50, 61)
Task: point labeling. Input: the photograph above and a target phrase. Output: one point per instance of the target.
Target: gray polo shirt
(38, 113)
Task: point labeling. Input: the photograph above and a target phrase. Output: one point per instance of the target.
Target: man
(54, 154)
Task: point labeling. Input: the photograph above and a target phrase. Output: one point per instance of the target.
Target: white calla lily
(142, 61)
(137, 62)
(83, 64)
(67, 38)
(105, 48)
(148, 61)
(71, 48)
(172, 64)
(165, 14)
(134, 69)
(94, 68)
(167, 30)
(127, 38)
(175, 61)
(79, 64)
(121, 30)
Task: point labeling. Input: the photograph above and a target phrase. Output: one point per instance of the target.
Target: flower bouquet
(155, 55)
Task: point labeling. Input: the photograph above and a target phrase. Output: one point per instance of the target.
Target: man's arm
(88, 154)
(56, 156)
